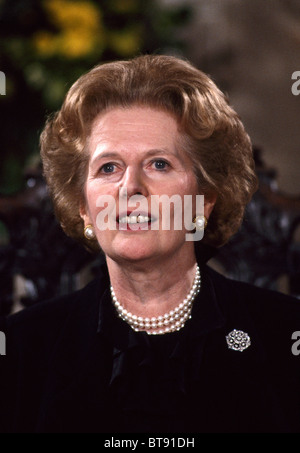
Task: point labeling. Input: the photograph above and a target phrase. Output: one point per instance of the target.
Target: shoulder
(274, 316)
(269, 308)
(253, 296)
(42, 322)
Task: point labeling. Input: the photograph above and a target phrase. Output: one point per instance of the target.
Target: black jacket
(72, 366)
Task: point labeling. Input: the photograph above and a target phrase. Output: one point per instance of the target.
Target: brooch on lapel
(238, 340)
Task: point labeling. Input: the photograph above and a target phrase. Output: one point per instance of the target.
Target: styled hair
(213, 136)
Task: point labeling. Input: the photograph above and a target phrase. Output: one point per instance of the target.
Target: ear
(83, 212)
(209, 203)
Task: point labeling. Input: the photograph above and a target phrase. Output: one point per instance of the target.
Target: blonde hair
(214, 136)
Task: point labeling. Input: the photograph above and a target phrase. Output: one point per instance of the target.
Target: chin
(134, 256)
(132, 252)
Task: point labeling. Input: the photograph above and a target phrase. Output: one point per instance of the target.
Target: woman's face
(135, 152)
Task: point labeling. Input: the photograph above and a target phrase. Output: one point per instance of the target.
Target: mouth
(134, 222)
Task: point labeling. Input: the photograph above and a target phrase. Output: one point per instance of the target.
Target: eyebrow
(115, 154)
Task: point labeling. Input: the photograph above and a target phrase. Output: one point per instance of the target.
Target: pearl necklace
(169, 322)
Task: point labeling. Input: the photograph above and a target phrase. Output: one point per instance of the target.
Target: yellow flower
(76, 43)
(71, 14)
(80, 30)
(44, 43)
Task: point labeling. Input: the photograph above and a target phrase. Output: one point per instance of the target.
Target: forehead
(135, 125)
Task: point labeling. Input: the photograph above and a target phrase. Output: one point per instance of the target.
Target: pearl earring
(200, 222)
(89, 232)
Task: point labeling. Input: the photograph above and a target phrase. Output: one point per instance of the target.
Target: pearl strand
(169, 322)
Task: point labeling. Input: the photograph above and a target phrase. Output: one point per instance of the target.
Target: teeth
(142, 218)
(134, 219)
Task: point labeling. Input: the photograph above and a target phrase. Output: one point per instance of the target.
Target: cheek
(188, 186)
(95, 197)
(182, 183)
(91, 203)
(102, 209)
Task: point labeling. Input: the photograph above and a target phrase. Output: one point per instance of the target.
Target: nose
(133, 183)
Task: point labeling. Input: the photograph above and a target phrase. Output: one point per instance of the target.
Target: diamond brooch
(238, 340)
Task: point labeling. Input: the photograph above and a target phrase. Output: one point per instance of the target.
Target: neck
(152, 289)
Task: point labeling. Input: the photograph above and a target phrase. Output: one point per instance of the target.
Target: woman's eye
(107, 168)
(160, 164)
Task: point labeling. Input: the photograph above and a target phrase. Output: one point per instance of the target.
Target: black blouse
(73, 365)
(190, 381)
